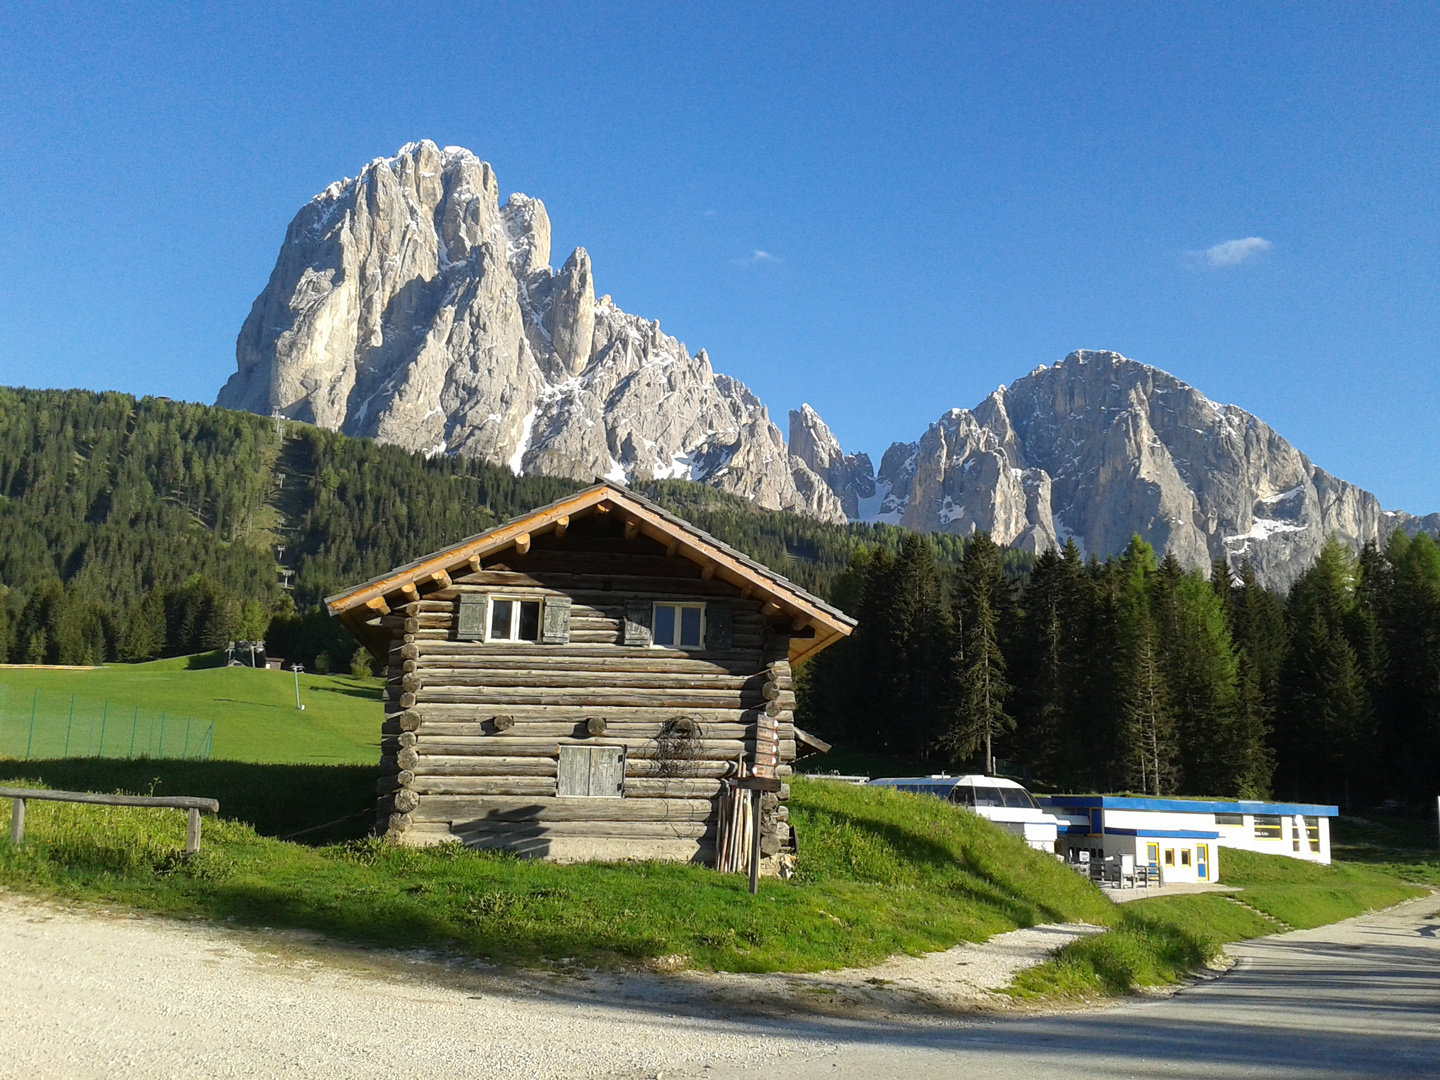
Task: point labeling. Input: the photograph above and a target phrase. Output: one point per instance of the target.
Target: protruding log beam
(377, 605)
(595, 725)
(474, 562)
(409, 591)
(632, 529)
(673, 549)
(770, 608)
(562, 525)
(799, 622)
(708, 572)
(441, 579)
(522, 543)
(502, 722)
(602, 508)
(747, 592)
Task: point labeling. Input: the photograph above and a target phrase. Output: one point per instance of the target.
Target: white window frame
(514, 620)
(678, 605)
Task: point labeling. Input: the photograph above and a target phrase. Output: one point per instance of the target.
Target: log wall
(472, 732)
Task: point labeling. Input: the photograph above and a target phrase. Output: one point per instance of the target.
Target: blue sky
(947, 196)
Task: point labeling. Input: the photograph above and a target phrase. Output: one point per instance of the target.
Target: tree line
(1135, 674)
(137, 529)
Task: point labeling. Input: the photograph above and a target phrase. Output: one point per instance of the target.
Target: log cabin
(596, 679)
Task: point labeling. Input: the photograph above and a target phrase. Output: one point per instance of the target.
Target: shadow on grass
(275, 800)
(369, 693)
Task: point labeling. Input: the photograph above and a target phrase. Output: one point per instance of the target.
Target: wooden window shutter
(591, 771)
(637, 623)
(555, 622)
(607, 771)
(470, 626)
(717, 625)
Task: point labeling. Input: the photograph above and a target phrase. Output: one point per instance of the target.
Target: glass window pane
(1016, 797)
(664, 633)
(500, 611)
(988, 796)
(690, 627)
(529, 620)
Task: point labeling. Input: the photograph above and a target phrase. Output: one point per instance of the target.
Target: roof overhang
(781, 599)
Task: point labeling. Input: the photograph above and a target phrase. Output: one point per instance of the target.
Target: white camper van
(1002, 801)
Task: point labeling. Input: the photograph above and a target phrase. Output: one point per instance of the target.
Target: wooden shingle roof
(782, 597)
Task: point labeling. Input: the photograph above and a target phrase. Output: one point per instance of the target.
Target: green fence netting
(43, 725)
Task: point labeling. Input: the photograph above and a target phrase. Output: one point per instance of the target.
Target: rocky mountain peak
(1100, 447)
(407, 304)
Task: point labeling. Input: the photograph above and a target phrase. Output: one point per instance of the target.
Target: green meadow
(880, 872)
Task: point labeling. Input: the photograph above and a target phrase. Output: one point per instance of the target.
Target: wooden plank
(478, 712)
(480, 660)
(176, 802)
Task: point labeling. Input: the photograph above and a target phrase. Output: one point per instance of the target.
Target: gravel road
(90, 993)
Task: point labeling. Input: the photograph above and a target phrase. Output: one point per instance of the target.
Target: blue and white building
(1183, 837)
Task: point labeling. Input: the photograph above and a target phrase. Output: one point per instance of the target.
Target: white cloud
(1232, 252)
(756, 258)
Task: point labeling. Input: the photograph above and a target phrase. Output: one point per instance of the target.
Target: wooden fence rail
(194, 806)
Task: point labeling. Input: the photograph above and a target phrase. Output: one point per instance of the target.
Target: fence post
(68, 725)
(17, 821)
(34, 704)
(103, 717)
(192, 832)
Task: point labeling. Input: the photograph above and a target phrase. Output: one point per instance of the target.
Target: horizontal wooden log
(672, 788)
(503, 808)
(478, 712)
(614, 698)
(625, 830)
(631, 659)
(533, 729)
(509, 746)
(497, 765)
(433, 647)
(484, 785)
(563, 679)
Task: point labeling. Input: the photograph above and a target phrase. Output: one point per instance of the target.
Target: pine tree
(1052, 652)
(1147, 722)
(979, 716)
(1324, 727)
(1257, 627)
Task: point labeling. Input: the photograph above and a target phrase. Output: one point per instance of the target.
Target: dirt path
(90, 993)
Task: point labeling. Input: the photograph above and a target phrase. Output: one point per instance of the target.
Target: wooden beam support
(707, 573)
(474, 562)
(377, 605)
(562, 525)
(409, 591)
(799, 622)
(673, 549)
(632, 528)
(747, 592)
(522, 543)
(770, 608)
(441, 579)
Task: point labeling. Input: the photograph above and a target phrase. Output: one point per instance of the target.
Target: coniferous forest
(134, 529)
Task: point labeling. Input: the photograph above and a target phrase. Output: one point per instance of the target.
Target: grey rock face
(1099, 448)
(408, 305)
(851, 476)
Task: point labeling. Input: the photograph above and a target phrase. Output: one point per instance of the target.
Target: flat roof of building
(1187, 806)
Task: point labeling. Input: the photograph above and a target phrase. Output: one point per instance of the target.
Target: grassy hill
(880, 873)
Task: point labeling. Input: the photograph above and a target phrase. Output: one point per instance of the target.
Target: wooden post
(192, 832)
(17, 822)
(755, 843)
